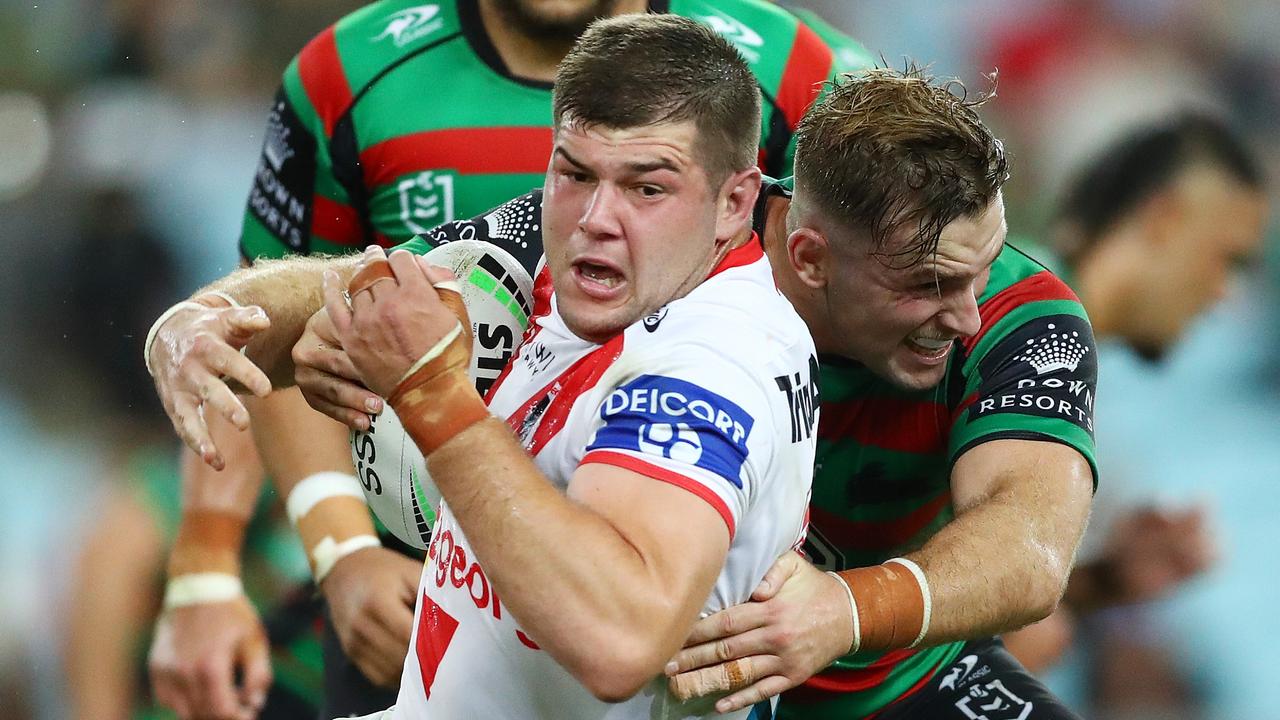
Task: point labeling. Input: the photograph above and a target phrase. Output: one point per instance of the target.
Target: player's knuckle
(723, 650)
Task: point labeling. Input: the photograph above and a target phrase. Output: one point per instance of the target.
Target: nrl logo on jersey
(732, 29)
(426, 200)
(405, 26)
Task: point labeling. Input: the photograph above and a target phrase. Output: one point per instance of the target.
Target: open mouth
(929, 349)
(598, 280)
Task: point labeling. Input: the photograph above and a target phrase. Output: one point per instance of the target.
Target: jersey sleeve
(514, 226)
(296, 203)
(1032, 376)
(692, 420)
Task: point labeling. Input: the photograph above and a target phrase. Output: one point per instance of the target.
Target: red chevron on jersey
(324, 79)
(808, 67)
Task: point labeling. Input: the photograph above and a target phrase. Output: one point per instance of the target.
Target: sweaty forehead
(968, 245)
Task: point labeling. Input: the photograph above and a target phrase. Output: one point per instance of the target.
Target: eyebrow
(637, 168)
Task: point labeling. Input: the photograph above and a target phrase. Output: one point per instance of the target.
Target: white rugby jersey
(715, 393)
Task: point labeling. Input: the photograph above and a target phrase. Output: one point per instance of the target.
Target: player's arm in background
(208, 634)
(111, 600)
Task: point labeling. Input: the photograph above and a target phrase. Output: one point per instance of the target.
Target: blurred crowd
(129, 130)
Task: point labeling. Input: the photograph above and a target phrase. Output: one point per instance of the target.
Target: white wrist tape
(327, 552)
(200, 588)
(155, 328)
(319, 487)
(219, 294)
(433, 353)
(924, 592)
(853, 608)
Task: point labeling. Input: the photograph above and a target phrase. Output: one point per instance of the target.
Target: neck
(532, 58)
(1104, 280)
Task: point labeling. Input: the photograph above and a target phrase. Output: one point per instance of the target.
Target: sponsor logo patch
(405, 26)
(426, 200)
(671, 418)
(747, 41)
(283, 182)
(1047, 367)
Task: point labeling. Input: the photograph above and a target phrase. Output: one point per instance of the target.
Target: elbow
(1046, 589)
(617, 668)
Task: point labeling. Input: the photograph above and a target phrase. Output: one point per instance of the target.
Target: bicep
(1050, 480)
(676, 530)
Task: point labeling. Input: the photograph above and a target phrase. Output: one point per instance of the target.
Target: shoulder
(1021, 290)
(364, 45)
(766, 34)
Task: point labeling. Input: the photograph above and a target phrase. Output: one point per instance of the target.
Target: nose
(600, 218)
(960, 313)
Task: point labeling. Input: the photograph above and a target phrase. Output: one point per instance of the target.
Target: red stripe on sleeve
(635, 464)
(335, 221)
(890, 423)
(324, 79)
(1044, 285)
(470, 151)
(808, 66)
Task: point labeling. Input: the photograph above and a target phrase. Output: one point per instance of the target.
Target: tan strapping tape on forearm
(207, 541)
(890, 604)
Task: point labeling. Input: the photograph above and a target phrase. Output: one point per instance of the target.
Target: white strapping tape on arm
(321, 486)
(328, 552)
(219, 294)
(853, 607)
(924, 592)
(155, 328)
(200, 588)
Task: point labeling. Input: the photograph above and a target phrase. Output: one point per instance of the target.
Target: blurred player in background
(1152, 232)
(398, 118)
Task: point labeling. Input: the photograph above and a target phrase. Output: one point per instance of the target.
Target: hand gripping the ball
(408, 335)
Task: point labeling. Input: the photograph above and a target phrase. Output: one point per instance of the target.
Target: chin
(907, 378)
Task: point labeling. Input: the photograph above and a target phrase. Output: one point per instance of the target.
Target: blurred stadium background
(129, 131)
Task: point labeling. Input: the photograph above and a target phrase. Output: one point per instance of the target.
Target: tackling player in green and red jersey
(407, 114)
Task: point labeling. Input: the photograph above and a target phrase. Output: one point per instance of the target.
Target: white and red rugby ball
(498, 294)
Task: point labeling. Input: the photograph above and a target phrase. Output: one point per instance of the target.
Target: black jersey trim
(473, 31)
(1021, 435)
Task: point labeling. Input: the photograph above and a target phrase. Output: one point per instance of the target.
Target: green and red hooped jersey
(401, 117)
(881, 484)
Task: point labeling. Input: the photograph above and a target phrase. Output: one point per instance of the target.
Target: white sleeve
(695, 419)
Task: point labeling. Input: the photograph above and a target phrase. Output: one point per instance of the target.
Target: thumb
(783, 568)
(255, 663)
(245, 322)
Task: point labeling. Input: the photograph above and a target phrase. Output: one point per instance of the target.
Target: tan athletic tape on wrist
(438, 400)
(331, 516)
(892, 604)
(208, 541)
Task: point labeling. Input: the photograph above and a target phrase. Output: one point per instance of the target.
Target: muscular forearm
(289, 291)
(577, 586)
(1004, 561)
(216, 506)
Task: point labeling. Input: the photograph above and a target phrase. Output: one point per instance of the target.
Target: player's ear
(810, 256)
(736, 201)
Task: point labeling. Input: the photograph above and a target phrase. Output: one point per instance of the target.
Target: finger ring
(370, 275)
